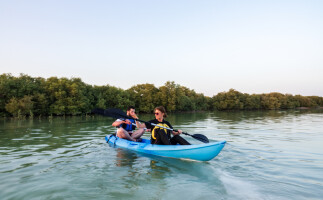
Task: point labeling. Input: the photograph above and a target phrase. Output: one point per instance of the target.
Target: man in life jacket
(126, 127)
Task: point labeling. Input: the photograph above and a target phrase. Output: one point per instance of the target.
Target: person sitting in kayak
(126, 127)
(161, 135)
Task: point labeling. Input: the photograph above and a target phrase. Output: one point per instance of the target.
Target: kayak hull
(200, 152)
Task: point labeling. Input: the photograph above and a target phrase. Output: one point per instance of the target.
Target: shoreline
(90, 115)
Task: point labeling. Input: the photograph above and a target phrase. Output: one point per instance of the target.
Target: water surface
(268, 155)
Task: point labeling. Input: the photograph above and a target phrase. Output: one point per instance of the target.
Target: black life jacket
(159, 129)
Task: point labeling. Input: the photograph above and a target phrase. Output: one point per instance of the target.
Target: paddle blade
(98, 111)
(112, 112)
(116, 113)
(201, 138)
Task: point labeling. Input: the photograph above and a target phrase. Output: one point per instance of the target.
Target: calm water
(269, 155)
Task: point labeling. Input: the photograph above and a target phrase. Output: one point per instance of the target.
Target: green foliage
(186, 99)
(18, 87)
(28, 96)
(252, 102)
(144, 97)
(234, 100)
(21, 106)
(167, 96)
(270, 101)
(110, 97)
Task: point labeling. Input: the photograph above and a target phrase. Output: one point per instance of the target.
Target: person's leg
(161, 137)
(121, 133)
(178, 139)
(138, 133)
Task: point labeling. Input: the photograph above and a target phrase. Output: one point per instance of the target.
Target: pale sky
(209, 46)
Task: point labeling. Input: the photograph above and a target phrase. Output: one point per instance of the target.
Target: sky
(209, 46)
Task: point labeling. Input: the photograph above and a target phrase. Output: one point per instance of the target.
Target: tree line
(29, 96)
(234, 100)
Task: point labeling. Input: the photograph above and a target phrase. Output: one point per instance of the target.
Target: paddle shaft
(199, 137)
(157, 125)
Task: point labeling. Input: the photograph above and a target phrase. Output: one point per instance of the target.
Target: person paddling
(161, 135)
(126, 127)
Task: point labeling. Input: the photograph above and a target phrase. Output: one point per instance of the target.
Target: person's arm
(174, 132)
(177, 133)
(118, 122)
(148, 125)
(138, 124)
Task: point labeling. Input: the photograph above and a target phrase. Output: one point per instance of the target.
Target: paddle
(117, 113)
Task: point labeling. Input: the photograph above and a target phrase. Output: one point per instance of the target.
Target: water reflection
(159, 167)
(237, 116)
(129, 159)
(124, 158)
(165, 177)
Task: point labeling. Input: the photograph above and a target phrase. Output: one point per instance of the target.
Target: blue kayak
(201, 152)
